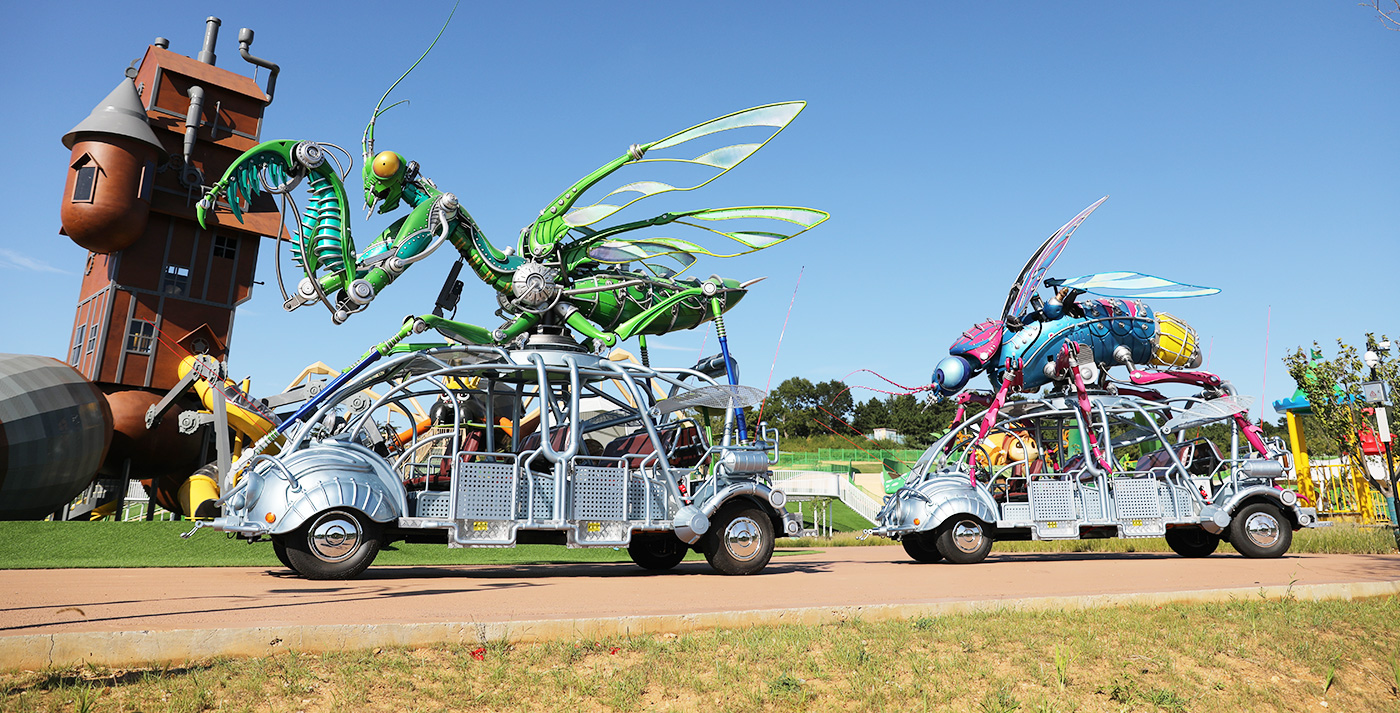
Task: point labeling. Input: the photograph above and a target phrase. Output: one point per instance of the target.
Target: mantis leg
(516, 328)
(581, 323)
(460, 331)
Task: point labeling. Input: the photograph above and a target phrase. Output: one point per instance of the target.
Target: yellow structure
(1339, 491)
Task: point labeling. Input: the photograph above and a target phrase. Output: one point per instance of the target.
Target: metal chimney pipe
(193, 120)
(245, 41)
(162, 43)
(211, 37)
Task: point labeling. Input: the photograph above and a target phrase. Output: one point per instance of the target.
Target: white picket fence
(814, 483)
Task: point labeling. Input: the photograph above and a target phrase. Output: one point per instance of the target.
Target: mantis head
(384, 179)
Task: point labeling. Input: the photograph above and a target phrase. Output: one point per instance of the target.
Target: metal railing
(827, 485)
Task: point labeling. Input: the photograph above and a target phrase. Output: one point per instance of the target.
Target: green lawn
(49, 545)
(53, 545)
(843, 518)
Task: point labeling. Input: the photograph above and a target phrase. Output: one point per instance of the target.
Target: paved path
(69, 601)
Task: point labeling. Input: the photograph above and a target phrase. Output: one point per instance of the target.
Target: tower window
(85, 184)
(140, 336)
(176, 280)
(225, 246)
(78, 345)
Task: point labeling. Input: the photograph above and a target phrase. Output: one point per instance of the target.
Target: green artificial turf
(53, 545)
(84, 545)
(843, 518)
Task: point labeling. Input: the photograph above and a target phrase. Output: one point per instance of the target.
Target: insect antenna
(367, 142)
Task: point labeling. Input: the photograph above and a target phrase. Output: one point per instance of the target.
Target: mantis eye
(386, 164)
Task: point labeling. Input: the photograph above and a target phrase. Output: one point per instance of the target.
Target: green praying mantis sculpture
(567, 269)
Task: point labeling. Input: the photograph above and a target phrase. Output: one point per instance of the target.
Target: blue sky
(1246, 145)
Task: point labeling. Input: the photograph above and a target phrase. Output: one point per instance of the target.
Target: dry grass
(1250, 655)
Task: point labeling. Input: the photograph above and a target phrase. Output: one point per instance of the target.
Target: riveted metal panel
(1176, 502)
(1052, 500)
(542, 488)
(1088, 502)
(598, 493)
(950, 504)
(640, 490)
(1137, 498)
(1013, 514)
(430, 504)
(1057, 529)
(484, 490)
(600, 533)
(482, 533)
(1142, 527)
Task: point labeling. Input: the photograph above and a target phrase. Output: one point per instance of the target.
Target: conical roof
(120, 114)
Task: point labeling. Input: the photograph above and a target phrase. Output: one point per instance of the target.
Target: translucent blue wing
(717, 161)
(1025, 285)
(1135, 285)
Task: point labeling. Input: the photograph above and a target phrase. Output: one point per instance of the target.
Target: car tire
(964, 539)
(921, 546)
(656, 551)
(1259, 530)
(740, 540)
(1192, 541)
(279, 548)
(335, 544)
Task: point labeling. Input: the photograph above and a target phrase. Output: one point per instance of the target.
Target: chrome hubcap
(1262, 529)
(967, 536)
(741, 538)
(334, 537)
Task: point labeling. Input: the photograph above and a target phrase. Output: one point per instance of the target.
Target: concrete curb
(134, 648)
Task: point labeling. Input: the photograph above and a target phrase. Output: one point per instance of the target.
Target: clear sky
(1250, 146)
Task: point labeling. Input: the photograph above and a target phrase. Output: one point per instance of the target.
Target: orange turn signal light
(270, 517)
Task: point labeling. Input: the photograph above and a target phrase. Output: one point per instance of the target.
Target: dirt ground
(52, 601)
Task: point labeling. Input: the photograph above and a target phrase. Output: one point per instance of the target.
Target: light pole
(1377, 394)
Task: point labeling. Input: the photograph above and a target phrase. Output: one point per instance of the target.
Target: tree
(1390, 17)
(1333, 388)
(798, 407)
(917, 420)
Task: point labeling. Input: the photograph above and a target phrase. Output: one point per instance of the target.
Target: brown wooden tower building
(156, 286)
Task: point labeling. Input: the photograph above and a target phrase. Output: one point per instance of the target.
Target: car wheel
(1192, 541)
(921, 546)
(1260, 530)
(740, 540)
(964, 540)
(336, 544)
(279, 548)
(657, 551)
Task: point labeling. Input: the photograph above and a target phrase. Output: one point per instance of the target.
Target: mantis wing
(1025, 285)
(563, 214)
(1134, 285)
(786, 222)
(274, 166)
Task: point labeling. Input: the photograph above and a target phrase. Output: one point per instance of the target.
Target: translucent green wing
(787, 222)
(803, 219)
(563, 214)
(657, 256)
